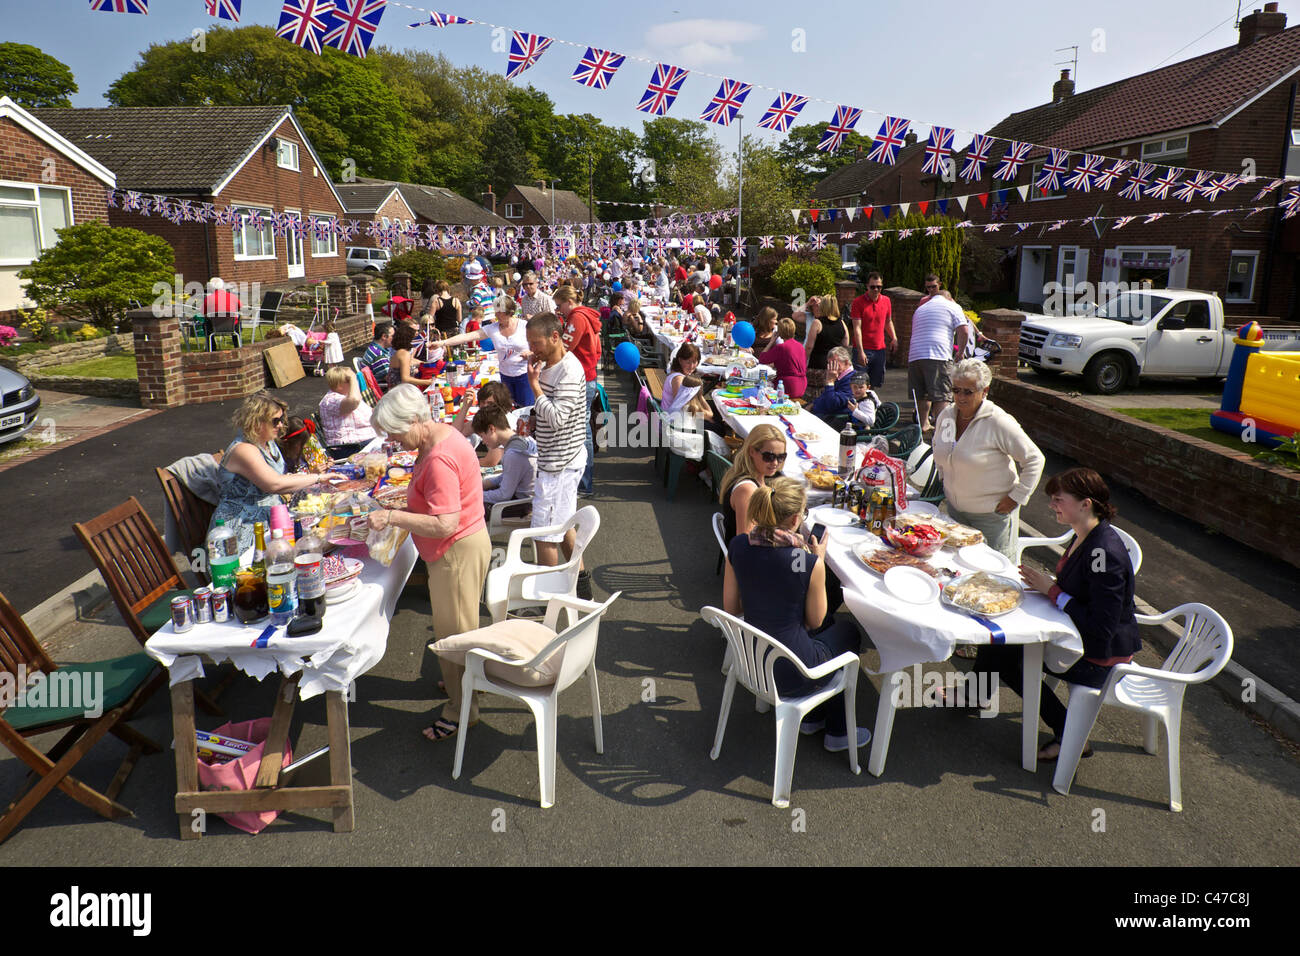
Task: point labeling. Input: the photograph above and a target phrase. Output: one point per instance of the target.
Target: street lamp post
(740, 193)
(551, 227)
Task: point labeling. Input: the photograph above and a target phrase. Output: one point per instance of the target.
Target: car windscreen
(1132, 308)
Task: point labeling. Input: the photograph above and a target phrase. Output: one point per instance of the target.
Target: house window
(1035, 192)
(1167, 152)
(1293, 154)
(286, 155)
(329, 246)
(514, 210)
(387, 222)
(1069, 267)
(1241, 275)
(251, 242)
(29, 219)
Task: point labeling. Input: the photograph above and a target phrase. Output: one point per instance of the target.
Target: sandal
(1052, 750)
(442, 729)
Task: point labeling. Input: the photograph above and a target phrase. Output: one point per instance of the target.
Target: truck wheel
(1106, 374)
(1045, 372)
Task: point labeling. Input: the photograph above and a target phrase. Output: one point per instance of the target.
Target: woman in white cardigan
(990, 467)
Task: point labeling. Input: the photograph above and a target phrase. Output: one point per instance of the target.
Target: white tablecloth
(353, 639)
(826, 443)
(669, 340)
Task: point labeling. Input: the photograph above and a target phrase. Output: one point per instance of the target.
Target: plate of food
(820, 479)
(911, 585)
(808, 436)
(954, 535)
(339, 571)
(880, 560)
(988, 595)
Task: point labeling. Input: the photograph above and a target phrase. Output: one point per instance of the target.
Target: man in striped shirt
(560, 412)
(376, 353)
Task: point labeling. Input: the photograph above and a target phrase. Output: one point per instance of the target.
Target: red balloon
(731, 317)
(715, 282)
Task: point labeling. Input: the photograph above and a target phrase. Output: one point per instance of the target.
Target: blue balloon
(628, 356)
(486, 345)
(742, 333)
(617, 286)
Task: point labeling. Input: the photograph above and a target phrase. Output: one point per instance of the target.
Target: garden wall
(1223, 489)
(70, 352)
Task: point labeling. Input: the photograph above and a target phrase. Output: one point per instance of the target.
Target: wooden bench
(654, 379)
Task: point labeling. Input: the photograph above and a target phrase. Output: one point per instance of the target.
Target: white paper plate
(354, 568)
(921, 508)
(344, 592)
(979, 557)
(911, 585)
(832, 517)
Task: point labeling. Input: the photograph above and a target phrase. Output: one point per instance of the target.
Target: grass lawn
(109, 366)
(1190, 421)
(26, 348)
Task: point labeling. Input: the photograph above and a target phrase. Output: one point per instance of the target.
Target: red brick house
(254, 158)
(530, 206)
(439, 206)
(1233, 110)
(379, 202)
(46, 183)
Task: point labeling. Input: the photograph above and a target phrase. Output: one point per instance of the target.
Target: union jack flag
(223, 9)
(977, 154)
(767, 242)
(933, 230)
(1268, 189)
(279, 225)
(1224, 183)
(841, 124)
(354, 26)
(110, 197)
(782, 112)
(889, 140)
(999, 211)
(597, 67)
(792, 242)
(665, 83)
(255, 220)
(1154, 216)
(1084, 176)
(711, 247)
(1160, 188)
(817, 241)
(937, 149)
(1139, 181)
(120, 6)
(1021, 227)
(1057, 225)
(1190, 189)
(159, 204)
(726, 103)
(1123, 221)
(304, 22)
(442, 20)
(525, 50)
(993, 227)
(186, 210)
(904, 233)
(1107, 177)
(1012, 160)
(873, 235)
(1049, 177)
(1291, 203)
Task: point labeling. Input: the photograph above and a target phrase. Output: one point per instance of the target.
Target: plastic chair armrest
(1120, 671)
(827, 667)
(514, 547)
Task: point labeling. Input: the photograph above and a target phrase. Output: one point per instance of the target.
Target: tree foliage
(420, 264)
(99, 272)
(34, 79)
(905, 262)
(806, 165)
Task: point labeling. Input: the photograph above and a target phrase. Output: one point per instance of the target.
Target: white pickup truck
(1158, 332)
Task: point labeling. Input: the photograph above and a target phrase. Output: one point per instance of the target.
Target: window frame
(296, 154)
(333, 239)
(34, 204)
(518, 207)
(1163, 155)
(1253, 255)
(1035, 194)
(241, 241)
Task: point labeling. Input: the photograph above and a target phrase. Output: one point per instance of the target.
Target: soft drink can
(182, 614)
(220, 605)
(203, 605)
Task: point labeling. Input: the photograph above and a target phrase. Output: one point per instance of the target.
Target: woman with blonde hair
(758, 461)
(776, 579)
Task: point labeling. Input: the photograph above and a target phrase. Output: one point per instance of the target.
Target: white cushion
(515, 639)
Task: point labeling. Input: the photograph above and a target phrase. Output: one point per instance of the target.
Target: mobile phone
(818, 530)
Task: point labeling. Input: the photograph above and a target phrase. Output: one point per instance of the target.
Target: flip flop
(443, 729)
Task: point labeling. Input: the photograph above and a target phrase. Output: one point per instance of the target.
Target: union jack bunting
(223, 9)
(792, 242)
(1268, 189)
(1057, 225)
(889, 140)
(711, 247)
(207, 212)
(159, 203)
(351, 230)
(904, 233)
(304, 22)
(1012, 160)
(1223, 184)
(354, 25)
(767, 242)
(726, 103)
(597, 67)
(525, 50)
(998, 212)
(841, 124)
(120, 6)
(1084, 176)
(1049, 177)
(1107, 177)
(1139, 181)
(782, 112)
(937, 149)
(255, 220)
(1123, 221)
(187, 210)
(279, 225)
(933, 230)
(442, 20)
(1160, 188)
(992, 227)
(977, 154)
(1154, 216)
(1192, 188)
(817, 241)
(965, 224)
(1291, 203)
(665, 83)
(873, 235)
(110, 197)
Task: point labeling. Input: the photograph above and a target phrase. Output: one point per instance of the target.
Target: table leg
(268, 771)
(1033, 692)
(884, 725)
(187, 752)
(336, 709)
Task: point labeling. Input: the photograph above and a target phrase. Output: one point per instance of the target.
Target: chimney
(1260, 24)
(1063, 87)
(910, 138)
(489, 201)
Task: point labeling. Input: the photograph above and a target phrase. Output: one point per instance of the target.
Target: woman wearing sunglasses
(252, 473)
(990, 466)
(757, 462)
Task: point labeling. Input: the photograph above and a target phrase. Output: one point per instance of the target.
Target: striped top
(561, 430)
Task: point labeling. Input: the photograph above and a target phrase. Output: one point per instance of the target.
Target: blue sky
(964, 65)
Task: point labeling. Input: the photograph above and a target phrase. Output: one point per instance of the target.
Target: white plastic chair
(1130, 545)
(518, 584)
(579, 642)
(753, 655)
(356, 365)
(719, 532)
(1156, 693)
(498, 522)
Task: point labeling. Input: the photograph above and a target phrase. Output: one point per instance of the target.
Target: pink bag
(239, 773)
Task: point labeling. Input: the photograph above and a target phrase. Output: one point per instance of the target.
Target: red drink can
(182, 614)
(203, 605)
(220, 605)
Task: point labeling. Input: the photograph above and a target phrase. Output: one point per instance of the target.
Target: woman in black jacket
(1093, 585)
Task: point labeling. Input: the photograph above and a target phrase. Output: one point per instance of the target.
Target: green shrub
(420, 263)
(905, 261)
(793, 274)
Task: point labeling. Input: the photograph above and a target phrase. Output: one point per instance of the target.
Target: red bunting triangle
(924, 205)
(984, 200)
(1042, 190)
(866, 211)
(813, 214)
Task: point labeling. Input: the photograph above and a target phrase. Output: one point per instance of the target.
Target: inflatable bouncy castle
(1262, 393)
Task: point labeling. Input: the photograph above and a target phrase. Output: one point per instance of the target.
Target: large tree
(684, 162)
(33, 79)
(768, 195)
(807, 165)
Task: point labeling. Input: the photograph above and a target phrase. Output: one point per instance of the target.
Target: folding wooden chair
(191, 513)
(119, 687)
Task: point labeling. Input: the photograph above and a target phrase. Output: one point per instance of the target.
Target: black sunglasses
(771, 456)
(277, 420)
(967, 391)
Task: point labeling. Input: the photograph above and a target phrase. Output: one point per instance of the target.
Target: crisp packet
(385, 544)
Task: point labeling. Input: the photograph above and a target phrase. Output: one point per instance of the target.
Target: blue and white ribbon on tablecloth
(996, 634)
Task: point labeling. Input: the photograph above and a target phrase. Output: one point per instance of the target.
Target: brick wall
(1228, 491)
(1003, 326)
(902, 304)
(22, 159)
(70, 352)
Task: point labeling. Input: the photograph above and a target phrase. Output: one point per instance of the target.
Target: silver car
(19, 405)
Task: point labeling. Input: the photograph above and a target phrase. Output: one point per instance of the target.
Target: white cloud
(700, 43)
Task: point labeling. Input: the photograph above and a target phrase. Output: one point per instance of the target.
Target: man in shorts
(937, 324)
(560, 410)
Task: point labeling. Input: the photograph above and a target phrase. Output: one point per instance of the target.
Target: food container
(963, 594)
(917, 539)
(375, 464)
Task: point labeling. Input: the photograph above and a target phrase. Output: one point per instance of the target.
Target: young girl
(685, 362)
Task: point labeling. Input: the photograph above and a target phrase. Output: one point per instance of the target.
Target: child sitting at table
(489, 394)
(865, 402)
(475, 321)
(518, 461)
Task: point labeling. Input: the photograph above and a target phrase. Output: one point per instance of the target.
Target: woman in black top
(446, 316)
(825, 331)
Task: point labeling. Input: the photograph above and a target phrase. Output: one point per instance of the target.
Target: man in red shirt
(581, 336)
(873, 329)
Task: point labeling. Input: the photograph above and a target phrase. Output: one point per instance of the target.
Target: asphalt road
(953, 791)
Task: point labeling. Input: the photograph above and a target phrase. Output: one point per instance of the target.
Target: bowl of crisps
(915, 538)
